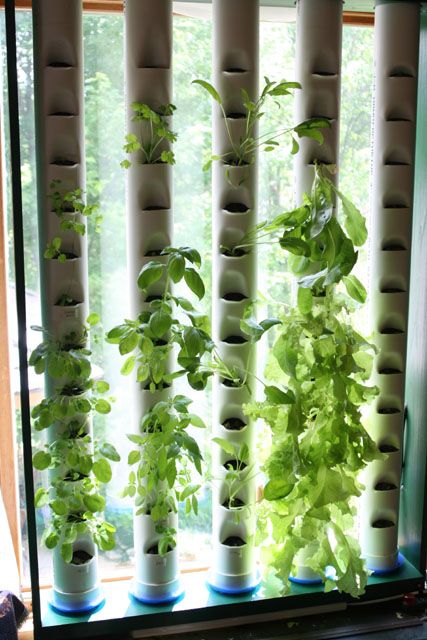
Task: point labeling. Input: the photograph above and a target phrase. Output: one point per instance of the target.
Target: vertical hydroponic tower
(396, 79)
(148, 78)
(234, 203)
(318, 70)
(59, 108)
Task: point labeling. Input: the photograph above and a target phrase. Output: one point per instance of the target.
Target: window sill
(202, 608)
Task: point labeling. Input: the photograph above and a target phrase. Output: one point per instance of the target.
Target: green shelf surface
(121, 612)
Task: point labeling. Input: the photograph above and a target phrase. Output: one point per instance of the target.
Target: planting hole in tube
(61, 52)
(400, 71)
(388, 446)
(236, 207)
(61, 161)
(325, 63)
(235, 340)
(62, 114)
(153, 297)
(154, 549)
(235, 465)
(388, 411)
(383, 485)
(232, 384)
(235, 115)
(154, 207)
(233, 541)
(391, 323)
(67, 300)
(383, 523)
(62, 101)
(233, 503)
(389, 331)
(397, 246)
(234, 424)
(396, 201)
(234, 296)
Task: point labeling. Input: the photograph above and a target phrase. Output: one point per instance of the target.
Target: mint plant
(244, 151)
(154, 131)
(317, 370)
(78, 465)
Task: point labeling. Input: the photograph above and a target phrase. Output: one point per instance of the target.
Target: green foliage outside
(105, 130)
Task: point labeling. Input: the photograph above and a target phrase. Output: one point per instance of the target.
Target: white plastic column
(58, 75)
(234, 203)
(318, 70)
(396, 70)
(148, 77)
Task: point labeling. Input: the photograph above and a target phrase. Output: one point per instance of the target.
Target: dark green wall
(413, 514)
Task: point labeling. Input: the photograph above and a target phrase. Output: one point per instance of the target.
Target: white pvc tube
(396, 69)
(148, 78)
(318, 70)
(234, 206)
(59, 107)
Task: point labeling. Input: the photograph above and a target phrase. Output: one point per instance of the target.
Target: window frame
(6, 443)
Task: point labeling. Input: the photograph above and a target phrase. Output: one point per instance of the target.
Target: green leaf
(59, 507)
(67, 552)
(193, 342)
(94, 502)
(210, 89)
(225, 445)
(277, 396)
(134, 456)
(128, 343)
(194, 282)
(51, 540)
(296, 246)
(160, 323)
(41, 460)
(102, 406)
(102, 470)
(149, 274)
(109, 451)
(355, 288)
(41, 498)
(305, 300)
(354, 221)
(176, 266)
(285, 355)
(93, 319)
(128, 366)
(277, 488)
(189, 490)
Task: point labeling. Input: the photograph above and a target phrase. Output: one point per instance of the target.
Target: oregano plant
(78, 464)
(72, 211)
(317, 377)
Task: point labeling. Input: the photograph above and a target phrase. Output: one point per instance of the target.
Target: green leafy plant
(154, 132)
(239, 471)
(163, 460)
(77, 464)
(318, 367)
(70, 208)
(168, 320)
(244, 151)
(165, 452)
(75, 499)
